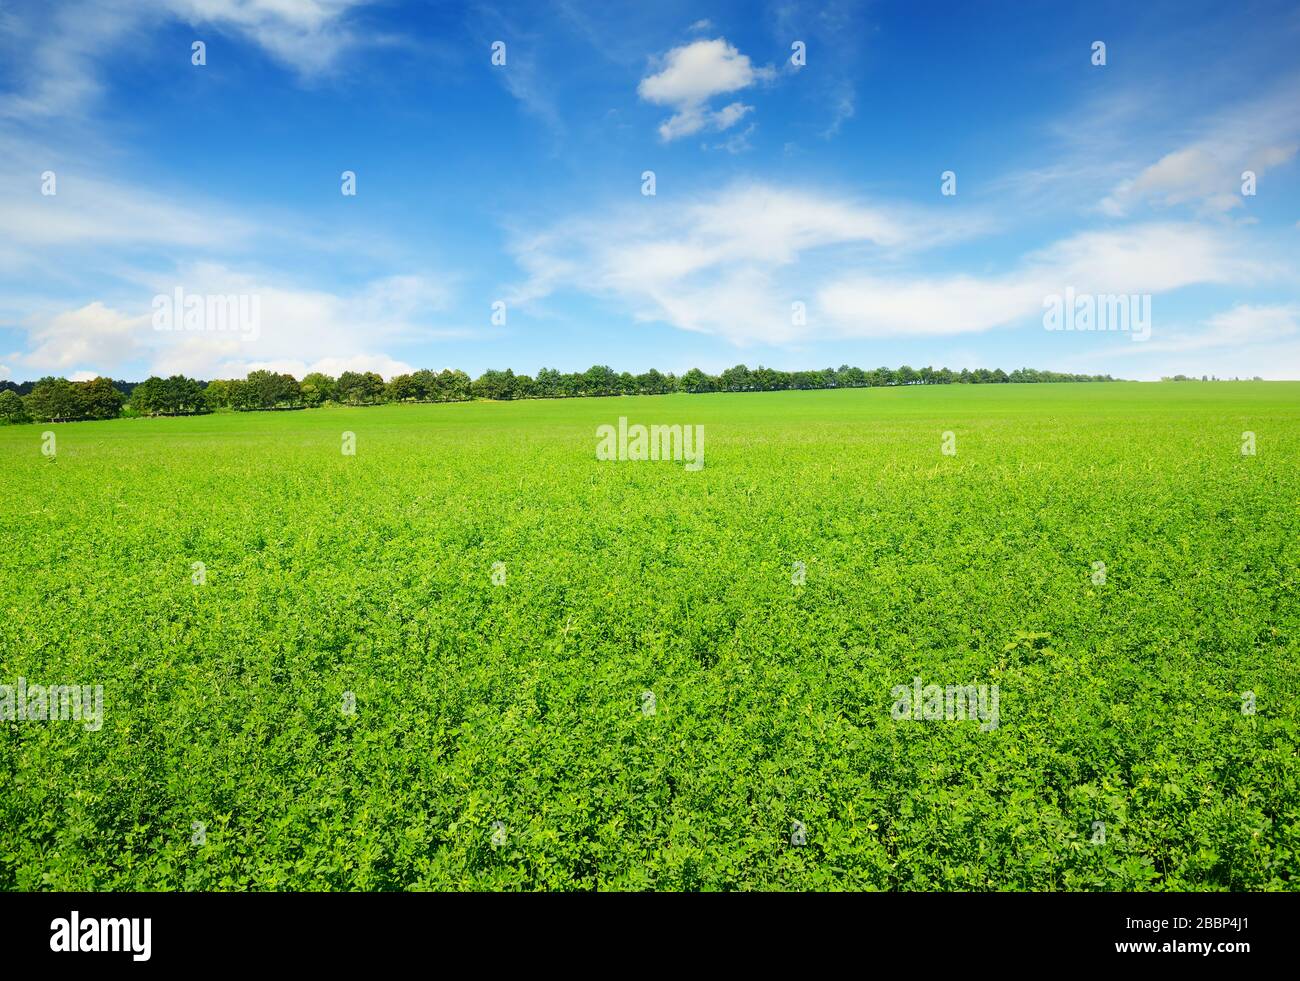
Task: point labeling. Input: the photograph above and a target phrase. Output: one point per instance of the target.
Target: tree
(548, 384)
(317, 388)
(735, 379)
(650, 383)
(219, 394)
(851, 377)
(172, 396)
(424, 383)
(267, 390)
(697, 381)
(403, 388)
(186, 394)
(359, 387)
(493, 384)
(599, 379)
(54, 400)
(150, 397)
(454, 386)
(12, 408)
(99, 399)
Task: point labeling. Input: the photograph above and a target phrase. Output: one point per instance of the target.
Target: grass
(226, 759)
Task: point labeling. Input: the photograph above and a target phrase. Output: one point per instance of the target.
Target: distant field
(231, 756)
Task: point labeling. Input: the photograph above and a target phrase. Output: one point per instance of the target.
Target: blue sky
(521, 184)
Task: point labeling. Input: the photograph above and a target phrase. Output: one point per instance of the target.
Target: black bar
(335, 931)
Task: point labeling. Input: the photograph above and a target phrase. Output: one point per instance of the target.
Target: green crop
(473, 656)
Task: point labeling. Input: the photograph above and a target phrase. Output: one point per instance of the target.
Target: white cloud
(92, 211)
(871, 306)
(729, 115)
(299, 326)
(93, 334)
(1246, 341)
(840, 44)
(843, 107)
(690, 76)
(1196, 174)
(306, 35)
(1207, 173)
(381, 364)
(737, 142)
(1139, 260)
(302, 329)
(1241, 327)
(59, 49)
(731, 265)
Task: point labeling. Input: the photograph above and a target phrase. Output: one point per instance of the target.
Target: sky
(871, 183)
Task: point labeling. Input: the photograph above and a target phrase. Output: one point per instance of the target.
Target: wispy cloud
(57, 52)
(730, 263)
(1207, 173)
(835, 44)
(1245, 325)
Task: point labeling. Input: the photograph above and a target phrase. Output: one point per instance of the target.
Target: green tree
(651, 383)
(425, 385)
(317, 388)
(697, 381)
(12, 408)
(454, 386)
(151, 397)
(219, 394)
(54, 400)
(268, 390)
(548, 384)
(403, 388)
(599, 379)
(99, 399)
(735, 379)
(359, 388)
(493, 384)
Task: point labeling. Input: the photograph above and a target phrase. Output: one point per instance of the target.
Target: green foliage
(59, 400)
(172, 396)
(1121, 702)
(99, 399)
(317, 388)
(12, 409)
(359, 388)
(54, 400)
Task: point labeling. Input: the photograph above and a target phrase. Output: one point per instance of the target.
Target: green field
(227, 758)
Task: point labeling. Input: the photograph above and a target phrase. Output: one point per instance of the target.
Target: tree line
(59, 400)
